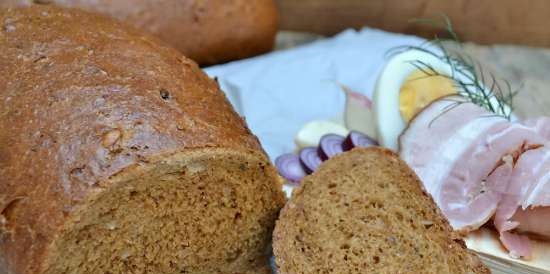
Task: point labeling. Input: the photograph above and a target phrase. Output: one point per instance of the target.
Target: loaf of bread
(119, 155)
(207, 31)
(364, 212)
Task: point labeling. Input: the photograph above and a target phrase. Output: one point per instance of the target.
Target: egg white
(389, 121)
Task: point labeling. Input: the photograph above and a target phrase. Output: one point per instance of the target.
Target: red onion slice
(290, 167)
(330, 145)
(310, 158)
(358, 139)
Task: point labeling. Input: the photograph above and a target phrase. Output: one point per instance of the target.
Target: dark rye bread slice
(364, 212)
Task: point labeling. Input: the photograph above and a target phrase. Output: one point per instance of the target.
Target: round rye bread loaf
(364, 212)
(207, 31)
(119, 155)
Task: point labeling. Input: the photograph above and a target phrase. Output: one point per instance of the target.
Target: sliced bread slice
(365, 212)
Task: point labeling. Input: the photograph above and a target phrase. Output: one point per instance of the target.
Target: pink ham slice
(541, 125)
(476, 165)
(517, 245)
(465, 158)
(534, 221)
(537, 172)
(473, 176)
(455, 154)
(420, 143)
(528, 188)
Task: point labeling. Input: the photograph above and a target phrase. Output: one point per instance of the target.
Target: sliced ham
(527, 187)
(517, 245)
(421, 143)
(456, 156)
(479, 175)
(534, 221)
(524, 206)
(476, 165)
(523, 182)
(536, 173)
(541, 125)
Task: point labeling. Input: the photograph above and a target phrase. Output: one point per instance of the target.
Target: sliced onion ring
(310, 159)
(330, 145)
(358, 139)
(290, 167)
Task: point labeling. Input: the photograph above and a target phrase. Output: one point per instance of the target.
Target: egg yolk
(419, 90)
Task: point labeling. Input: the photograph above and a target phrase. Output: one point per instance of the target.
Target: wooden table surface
(521, 66)
(485, 22)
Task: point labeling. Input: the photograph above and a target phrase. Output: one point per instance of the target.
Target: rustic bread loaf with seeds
(119, 155)
(207, 31)
(364, 212)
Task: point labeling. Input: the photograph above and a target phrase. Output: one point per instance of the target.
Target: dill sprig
(467, 75)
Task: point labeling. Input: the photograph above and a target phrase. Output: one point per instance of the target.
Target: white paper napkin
(279, 92)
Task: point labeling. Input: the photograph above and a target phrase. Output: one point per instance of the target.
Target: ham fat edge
(479, 167)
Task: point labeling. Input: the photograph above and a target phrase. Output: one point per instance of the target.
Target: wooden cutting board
(486, 244)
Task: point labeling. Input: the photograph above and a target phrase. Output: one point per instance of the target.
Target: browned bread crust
(364, 212)
(207, 31)
(118, 153)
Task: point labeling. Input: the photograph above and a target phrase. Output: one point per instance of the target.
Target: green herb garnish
(495, 95)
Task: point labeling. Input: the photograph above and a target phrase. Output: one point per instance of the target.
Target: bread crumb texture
(194, 212)
(364, 212)
(119, 155)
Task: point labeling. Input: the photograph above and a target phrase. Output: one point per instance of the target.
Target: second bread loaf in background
(207, 31)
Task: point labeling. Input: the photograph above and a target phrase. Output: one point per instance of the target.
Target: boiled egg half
(410, 81)
(403, 90)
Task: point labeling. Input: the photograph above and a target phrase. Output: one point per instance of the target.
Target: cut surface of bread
(197, 211)
(364, 212)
